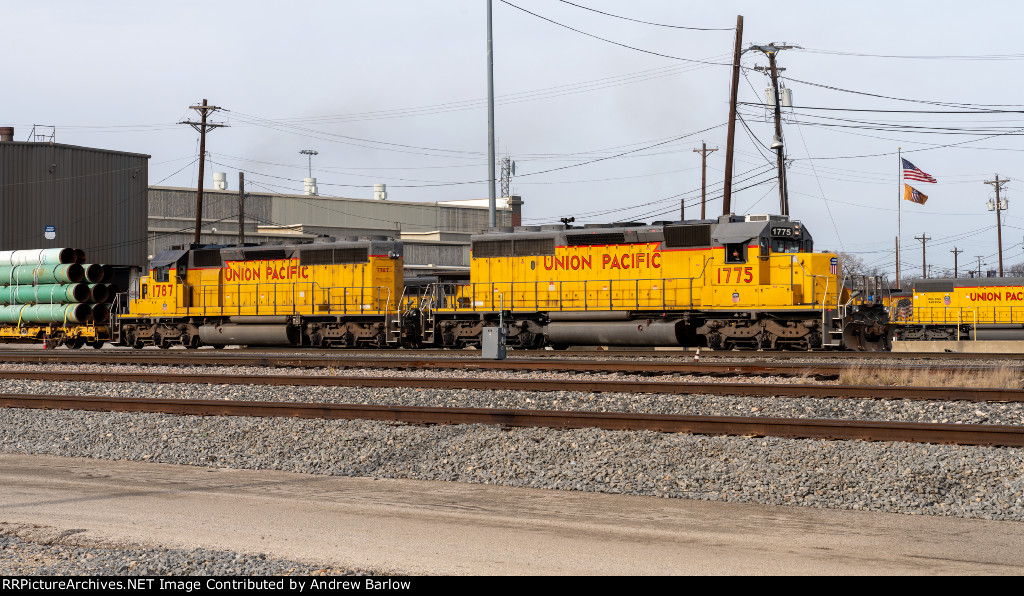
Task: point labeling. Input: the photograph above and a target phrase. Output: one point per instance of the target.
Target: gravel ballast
(906, 478)
(36, 550)
(892, 477)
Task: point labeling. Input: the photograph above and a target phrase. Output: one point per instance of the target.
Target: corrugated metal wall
(440, 255)
(95, 199)
(409, 217)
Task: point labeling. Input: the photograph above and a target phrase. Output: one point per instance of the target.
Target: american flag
(911, 172)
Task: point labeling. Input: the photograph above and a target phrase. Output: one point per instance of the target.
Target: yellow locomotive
(325, 294)
(953, 309)
(748, 281)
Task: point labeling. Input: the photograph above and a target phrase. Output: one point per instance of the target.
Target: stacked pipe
(53, 285)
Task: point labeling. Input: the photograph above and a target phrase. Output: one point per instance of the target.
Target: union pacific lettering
(265, 271)
(641, 260)
(994, 296)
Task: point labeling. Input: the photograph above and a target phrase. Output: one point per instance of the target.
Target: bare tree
(1015, 270)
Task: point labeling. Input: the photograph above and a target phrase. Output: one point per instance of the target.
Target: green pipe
(44, 294)
(46, 313)
(93, 273)
(99, 293)
(41, 274)
(38, 256)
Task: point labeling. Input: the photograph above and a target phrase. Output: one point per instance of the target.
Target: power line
(645, 22)
(621, 45)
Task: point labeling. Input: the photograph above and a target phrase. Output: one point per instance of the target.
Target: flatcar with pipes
(52, 296)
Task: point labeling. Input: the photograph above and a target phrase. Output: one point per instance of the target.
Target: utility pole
(727, 188)
(703, 179)
(979, 264)
(924, 242)
(955, 254)
(241, 208)
(202, 126)
(771, 50)
(998, 184)
(492, 200)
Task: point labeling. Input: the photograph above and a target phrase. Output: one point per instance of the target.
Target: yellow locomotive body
(331, 293)
(952, 308)
(739, 281)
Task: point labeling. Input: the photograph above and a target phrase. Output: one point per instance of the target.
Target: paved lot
(416, 527)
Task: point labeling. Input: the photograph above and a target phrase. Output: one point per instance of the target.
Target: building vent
(380, 192)
(687, 236)
(220, 181)
(309, 187)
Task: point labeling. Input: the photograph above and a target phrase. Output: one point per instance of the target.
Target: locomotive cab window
(735, 253)
(786, 245)
(764, 247)
(162, 274)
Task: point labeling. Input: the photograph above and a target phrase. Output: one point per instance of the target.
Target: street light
(310, 153)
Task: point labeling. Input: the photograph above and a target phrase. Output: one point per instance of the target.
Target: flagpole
(899, 211)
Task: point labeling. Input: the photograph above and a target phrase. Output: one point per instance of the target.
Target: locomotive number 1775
(736, 275)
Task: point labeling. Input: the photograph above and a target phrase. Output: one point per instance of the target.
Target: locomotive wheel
(161, 342)
(96, 344)
(132, 341)
(190, 342)
(76, 343)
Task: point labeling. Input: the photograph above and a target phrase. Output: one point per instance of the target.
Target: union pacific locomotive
(960, 309)
(744, 282)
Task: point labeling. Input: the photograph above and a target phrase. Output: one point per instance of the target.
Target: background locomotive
(736, 282)
(960, 309)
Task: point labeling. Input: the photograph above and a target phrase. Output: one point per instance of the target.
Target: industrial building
(55, 196)
(99, 200)
(435, 235)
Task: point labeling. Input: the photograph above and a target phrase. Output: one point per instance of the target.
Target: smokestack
(6, 134)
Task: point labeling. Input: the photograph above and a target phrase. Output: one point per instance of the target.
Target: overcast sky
(395, 92)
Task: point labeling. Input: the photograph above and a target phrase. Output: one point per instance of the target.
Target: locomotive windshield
(788, 245)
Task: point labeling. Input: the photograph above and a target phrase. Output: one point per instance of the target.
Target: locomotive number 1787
(742, 275)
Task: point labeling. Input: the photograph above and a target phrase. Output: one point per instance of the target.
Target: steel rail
(973, 394)
(796, 428)
(821, 370)
(515, 354)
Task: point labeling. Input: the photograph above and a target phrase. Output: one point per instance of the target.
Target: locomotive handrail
(271, 291)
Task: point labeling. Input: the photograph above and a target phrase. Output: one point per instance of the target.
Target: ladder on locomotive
(425, 306)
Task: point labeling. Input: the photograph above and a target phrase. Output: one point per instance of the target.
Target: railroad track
(763, 368)
(571, 353)
(960, 434)
(544, 385)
